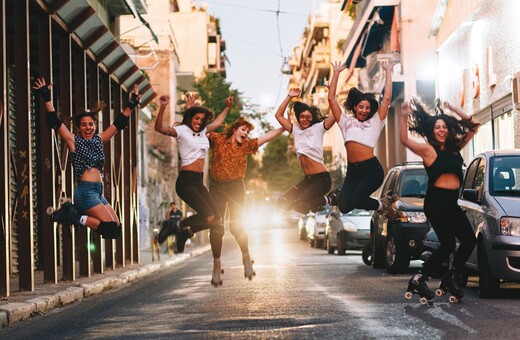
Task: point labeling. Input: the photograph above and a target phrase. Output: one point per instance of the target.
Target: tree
(280, 168)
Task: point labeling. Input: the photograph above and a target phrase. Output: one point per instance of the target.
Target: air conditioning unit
(515, 89)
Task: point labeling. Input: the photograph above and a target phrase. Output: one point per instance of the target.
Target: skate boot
(184, 235)
(248, 266)
(388, 209)
(449, 284)
(216, 278)
(67, 213)
(168, 228)
(417, 285)
(332, 197)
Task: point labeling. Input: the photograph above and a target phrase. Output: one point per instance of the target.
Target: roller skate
(168, 228)
(184, 235)
(216, 278)
(387, 207)
(417, 285)
(332, 197)
(450, 285)
(66, 212)
(248, 266)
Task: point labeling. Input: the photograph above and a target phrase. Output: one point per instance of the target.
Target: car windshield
(359, 212)
(504, 173)
(413, 183)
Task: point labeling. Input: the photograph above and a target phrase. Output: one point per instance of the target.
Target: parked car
(347, 231)
(490, 197)
(315, 226)
(302, 230)
(396, 243)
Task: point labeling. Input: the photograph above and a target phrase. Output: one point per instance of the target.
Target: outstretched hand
(42, 89)
(338, 66)
(164, 100)
(388, 65)
(190, 100)
(448, 106)
(294, 92)
(229, 101)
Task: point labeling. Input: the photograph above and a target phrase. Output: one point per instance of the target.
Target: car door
(390, 184)
(474, 179)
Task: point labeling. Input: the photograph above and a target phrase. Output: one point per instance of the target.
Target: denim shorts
(88, 194)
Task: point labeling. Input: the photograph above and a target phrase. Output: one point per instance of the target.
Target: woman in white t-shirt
(193, 146)
(310, 193)
(361, 127)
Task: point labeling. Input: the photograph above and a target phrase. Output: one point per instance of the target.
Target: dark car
(490, 197)
(396, 243)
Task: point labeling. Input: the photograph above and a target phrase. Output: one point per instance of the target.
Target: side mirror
(470, 195)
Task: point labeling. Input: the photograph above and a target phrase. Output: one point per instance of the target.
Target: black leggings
(449, 221)
(233, 196)
(191, 189)
(362, 179)
(308, 194)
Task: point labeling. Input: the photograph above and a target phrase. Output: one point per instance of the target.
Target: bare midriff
(358, 152)
(197, 166)
(91, 175)
(311, 167)
(447, 181)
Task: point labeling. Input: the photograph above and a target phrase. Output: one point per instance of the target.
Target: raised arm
(388, 66)
(424, 150)
(159, 126)
(121, 121)
(269, 135)
(464, 116)
(52, 118)
(217, 122)
(279, 115)
(337, 67)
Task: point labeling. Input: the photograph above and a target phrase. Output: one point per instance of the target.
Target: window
(470, 174)
(480, 176)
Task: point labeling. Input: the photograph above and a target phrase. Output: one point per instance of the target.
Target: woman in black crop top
(445, 136)
(90, 208)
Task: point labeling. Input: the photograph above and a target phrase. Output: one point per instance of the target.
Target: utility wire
(257, 9)
(226, 34)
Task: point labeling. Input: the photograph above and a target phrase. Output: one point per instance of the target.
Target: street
(299, 292)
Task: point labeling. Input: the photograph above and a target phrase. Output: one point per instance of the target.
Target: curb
(18, 311)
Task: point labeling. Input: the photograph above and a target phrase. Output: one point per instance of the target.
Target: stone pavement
(21, 305)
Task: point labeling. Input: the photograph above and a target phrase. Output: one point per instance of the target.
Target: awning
(82, 21)
(368, 19)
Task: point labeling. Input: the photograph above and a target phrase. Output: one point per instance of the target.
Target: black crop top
(445, 162)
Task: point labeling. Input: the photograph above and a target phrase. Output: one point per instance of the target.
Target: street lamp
(286, 69)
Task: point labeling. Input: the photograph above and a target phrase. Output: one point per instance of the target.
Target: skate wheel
(222, 271)
(408, 295)
(423, 301)
(62, 200)
(439, 292)
(453, 299)
(50, 210)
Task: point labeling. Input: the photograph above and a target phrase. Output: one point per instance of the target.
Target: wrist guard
(53, 121)
(44, 93)
(121, 121)
(133, 102)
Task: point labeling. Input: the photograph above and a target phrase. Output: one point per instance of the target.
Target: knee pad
(109, 230)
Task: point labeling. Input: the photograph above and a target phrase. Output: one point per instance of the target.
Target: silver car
(347, 231)
(490, 197)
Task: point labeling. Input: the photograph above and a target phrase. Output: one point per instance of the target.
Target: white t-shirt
(309, 142)
(192, 145)
(366, 133)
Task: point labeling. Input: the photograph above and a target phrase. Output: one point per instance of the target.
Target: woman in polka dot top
(90, 208)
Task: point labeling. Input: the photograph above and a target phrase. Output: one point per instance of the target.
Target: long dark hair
(355, 97)
(422, 123)
(192, 111)
(315, 111)
(92, 114)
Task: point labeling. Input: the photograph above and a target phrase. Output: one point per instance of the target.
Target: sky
(250, 30)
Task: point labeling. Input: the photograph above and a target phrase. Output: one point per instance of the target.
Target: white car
(347, 231)
(315, 226)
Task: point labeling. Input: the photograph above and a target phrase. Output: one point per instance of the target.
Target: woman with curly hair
(445, 136)
(361, 127)
(227, 171)
(193, 145)
(310, 193)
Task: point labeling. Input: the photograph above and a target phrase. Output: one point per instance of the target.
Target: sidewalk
(22, 305)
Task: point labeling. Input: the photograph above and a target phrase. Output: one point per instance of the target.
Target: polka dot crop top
(89, 154)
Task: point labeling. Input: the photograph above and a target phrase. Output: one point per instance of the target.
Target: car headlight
(413, 217)
(510, 226)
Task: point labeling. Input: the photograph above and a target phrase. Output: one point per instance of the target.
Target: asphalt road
(299, 292)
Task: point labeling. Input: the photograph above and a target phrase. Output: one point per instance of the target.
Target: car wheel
(378, 253)
(318, 244)
(488, 286)
(395, 263)
(329, 248)
(340, 247)
(303, 234)
(366, 254)
(311, 242)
